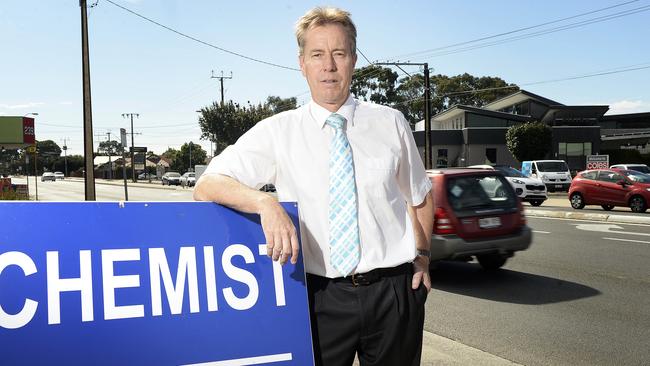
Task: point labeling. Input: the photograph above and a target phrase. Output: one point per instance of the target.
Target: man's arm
(281, 238)
(422, 219)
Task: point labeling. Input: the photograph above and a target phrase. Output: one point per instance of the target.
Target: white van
(554, 173)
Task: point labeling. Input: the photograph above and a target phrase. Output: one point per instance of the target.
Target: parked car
(638, 167)
(144, 175)
(531, 190)
(170, 178)
(472, 221)
(48, 176)
(554, 173)
(610, 188)
(59, 175)
(188, 179)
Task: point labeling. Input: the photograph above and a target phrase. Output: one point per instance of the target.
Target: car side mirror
(621, 183)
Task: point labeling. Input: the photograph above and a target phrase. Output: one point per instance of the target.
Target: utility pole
(110, 151)
(89, 177)
(427, 107)
(221, 80)
(123, 141)
(125, 115)
(65, 154)
(190, 168)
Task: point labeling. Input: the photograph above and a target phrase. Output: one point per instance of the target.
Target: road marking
(541, 232)
(579, 220)
(247, 361)
(606, 228)
(629, 240)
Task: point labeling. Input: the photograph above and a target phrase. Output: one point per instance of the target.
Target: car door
(609, 191)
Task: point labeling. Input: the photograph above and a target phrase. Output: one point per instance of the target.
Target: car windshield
(638, 177)
(480, 192)
(191, 175)
(510, 172)
(552, 166)
(173, 175)
(639, 168)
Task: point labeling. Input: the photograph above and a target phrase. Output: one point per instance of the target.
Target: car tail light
(441, 223)
(522, 217)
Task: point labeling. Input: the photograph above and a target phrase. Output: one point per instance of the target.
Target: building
(464, 135)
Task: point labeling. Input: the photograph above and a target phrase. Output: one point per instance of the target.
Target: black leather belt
(365, 279)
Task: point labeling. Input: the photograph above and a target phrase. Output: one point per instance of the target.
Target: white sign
(597, 161)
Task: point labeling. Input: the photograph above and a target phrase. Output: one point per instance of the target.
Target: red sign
(28, 131)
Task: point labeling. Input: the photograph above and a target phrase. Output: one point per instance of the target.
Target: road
(579, 296)
(73, 190)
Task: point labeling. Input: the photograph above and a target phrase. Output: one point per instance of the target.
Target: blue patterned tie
(343, 222)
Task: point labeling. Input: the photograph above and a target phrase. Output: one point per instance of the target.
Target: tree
(277, 104)
(529, 141)
(181, 163)
(375, 84)
(225, 123)
(110, 147)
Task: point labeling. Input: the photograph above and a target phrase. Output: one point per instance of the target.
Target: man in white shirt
(365, 246)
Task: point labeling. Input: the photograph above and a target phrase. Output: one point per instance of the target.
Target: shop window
(442, 161)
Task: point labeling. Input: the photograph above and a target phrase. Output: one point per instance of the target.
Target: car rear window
(639, 168)
(552, 166)
(477, 193)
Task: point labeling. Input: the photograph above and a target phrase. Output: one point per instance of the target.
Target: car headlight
(517, 181)
(647, 189)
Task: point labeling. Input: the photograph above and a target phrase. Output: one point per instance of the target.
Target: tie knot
(336, 121)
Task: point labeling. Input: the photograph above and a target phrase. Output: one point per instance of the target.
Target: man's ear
(301, 62)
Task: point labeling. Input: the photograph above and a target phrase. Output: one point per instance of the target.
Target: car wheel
(637, 204)
(491, 261)
(577, 201)
(536, 203)
(607, 207)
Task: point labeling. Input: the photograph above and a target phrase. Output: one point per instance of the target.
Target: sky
(140, 67)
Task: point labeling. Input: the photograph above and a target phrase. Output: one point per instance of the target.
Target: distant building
(464, 135)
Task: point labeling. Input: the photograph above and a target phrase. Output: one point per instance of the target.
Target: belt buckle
(358, 279)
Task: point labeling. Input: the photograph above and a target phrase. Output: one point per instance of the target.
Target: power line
(372, 73)
(201, 41)
(413, 100)
(515, 30)
(543, 32)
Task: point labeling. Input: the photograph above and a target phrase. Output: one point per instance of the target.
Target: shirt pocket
(376, 176)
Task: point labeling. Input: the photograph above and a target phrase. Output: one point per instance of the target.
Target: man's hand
(281, 238)
(421, 273)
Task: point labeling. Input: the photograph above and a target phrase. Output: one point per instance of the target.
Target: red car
(610, 188)
(477, 214)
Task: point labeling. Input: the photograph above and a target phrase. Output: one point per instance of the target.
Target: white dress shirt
(291, 150)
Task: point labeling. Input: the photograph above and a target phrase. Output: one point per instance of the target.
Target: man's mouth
(329, 81)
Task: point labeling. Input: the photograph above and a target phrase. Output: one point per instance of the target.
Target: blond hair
(321, 16)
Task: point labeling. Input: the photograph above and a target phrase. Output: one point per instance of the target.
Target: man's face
(328, 63)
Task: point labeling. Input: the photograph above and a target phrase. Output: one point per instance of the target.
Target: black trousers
(381, 322)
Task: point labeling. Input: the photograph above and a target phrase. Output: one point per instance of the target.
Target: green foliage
(110, 147)
(529, 141)
(224, 124)
(375, 84)
(381, 85)
(181, 161)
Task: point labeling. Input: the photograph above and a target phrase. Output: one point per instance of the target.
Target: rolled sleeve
(412, 178)
(251, 160)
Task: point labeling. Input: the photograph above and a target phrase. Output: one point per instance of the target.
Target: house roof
(518, 97)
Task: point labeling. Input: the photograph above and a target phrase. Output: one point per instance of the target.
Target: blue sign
(146, 284)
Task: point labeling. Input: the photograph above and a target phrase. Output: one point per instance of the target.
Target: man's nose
(329, 64)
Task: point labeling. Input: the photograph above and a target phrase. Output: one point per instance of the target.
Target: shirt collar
(321, 114)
